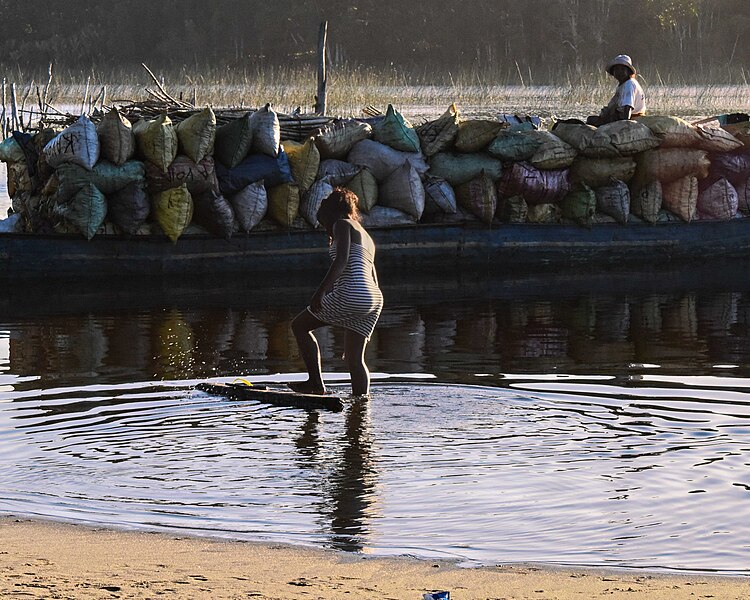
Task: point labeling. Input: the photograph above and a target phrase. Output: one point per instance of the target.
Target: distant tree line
(537, 41)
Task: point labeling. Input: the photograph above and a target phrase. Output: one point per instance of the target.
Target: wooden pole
(320, 99)
(5, 130)
(13, 107)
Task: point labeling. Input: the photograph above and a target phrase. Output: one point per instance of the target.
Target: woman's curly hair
(341, 203)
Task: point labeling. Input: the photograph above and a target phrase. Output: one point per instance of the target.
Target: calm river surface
(597, 420)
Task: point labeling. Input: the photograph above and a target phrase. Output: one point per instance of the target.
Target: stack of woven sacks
(158, 176)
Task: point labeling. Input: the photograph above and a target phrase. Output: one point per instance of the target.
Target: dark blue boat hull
(422, 248)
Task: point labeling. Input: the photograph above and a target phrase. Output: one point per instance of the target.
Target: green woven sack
(395, 131)
(86, 211)
(304, 160)
(156, 141)
(283, 203)
(173, 210)
(196, 135)
(579, 205)
(107, 177)
(233, 141)
(365, 186)
(460, 168)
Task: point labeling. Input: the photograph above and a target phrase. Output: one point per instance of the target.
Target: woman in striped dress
(348, 296)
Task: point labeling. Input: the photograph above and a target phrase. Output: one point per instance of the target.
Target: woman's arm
(342, 238)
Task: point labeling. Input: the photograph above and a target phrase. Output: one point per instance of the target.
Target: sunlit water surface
(597, 429)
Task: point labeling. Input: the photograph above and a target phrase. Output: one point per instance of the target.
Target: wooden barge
(421, 248)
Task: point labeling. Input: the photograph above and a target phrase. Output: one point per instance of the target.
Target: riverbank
(53, 560)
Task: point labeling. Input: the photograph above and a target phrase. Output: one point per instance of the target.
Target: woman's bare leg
(354, 354)
(302, 327)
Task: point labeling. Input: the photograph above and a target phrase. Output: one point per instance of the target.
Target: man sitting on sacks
(628, 100)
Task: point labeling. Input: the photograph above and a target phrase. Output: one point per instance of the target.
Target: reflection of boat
(438, 247)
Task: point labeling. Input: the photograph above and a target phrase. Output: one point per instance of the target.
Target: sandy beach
(40, 559)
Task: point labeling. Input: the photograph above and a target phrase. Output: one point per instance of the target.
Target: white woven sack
(77, 144)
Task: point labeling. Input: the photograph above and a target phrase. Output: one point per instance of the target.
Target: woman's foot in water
(307, 387)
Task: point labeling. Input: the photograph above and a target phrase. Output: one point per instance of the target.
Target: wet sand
(40, 559)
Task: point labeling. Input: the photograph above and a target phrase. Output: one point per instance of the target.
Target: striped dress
(355, 301)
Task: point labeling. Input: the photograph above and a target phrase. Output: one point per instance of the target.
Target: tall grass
(419, 94)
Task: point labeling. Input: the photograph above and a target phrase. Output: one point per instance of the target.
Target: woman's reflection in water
(349, 490)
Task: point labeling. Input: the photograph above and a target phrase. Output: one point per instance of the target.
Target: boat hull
(424, 248)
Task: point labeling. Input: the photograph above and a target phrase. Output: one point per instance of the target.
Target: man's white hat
(621, 59)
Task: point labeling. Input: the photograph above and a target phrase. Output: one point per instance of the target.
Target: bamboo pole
(5, 129)
(85, 95)
(320, 98)
(13, 107)
(23, 104)
(45, 96)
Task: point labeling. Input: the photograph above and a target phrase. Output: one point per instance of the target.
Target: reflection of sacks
(719, 201)
(383, 160)
(395, 131)
(196, 135)
(384, 216)
(311, 201)
(214, 212)
(250, 205)
(337, 139)
(668, 164)
(337, 172)
(598, 172)
(77, 144)
(251, 338)
(266, 131)
(614, 200)
(173, 210)
(457, 169)
(479, 197)
(116, 137)
(129, 207)
(304, 160)
(645, 201)
(364, 185)
(233, 141)
(680, 318)
(273, 171)
(403, 190)
(681, 197)
(283, 203)
(513, 209)
(174, 348)
(198, 177)
(536, 186)
(579, 205)
(476, 135)
(438, 196)
(673, 132)
(156, 140)
(107, 177)
(86, 210)
(438, 135)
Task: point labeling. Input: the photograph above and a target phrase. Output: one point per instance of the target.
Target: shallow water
(529, 421)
